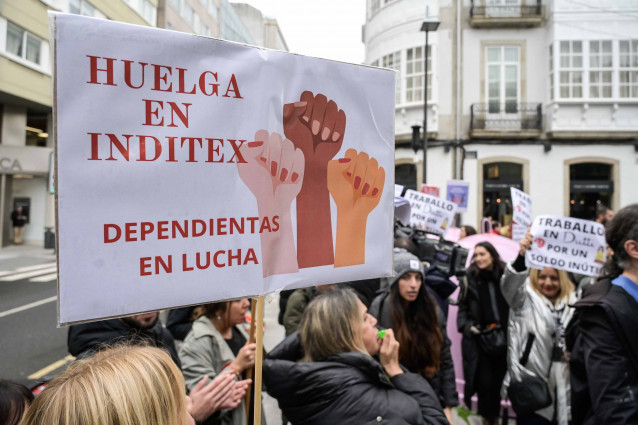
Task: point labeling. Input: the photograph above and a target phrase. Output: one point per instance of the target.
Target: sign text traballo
(522, 207)
(569, 244)
(429, 212)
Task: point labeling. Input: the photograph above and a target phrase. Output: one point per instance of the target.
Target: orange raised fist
(316, 126)
(356, 183)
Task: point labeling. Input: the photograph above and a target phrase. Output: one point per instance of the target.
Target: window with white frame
(600, 69)
(188, 14)
(393, 61)
(374, 5)
(502, 70)
(145, 9)
(213, 10)
(414, 74)
(628, 69)
(23, 44)
(377, 4)
(83, 7)
(571, 69)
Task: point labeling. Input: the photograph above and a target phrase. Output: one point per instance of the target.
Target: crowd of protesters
(560, 353)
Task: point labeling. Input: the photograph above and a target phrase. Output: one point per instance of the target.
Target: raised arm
(515, 276)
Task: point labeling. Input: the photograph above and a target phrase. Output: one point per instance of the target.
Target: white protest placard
(191, 169)
(569, 244)
(522, 207)
(398, 190)
(429, 212)
(518, 231)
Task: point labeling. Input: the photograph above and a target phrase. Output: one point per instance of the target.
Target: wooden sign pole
(259, 332)
(251, 339)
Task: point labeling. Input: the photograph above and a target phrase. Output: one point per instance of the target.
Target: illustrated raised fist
(356, 183)
(317, 127)
(274, 172)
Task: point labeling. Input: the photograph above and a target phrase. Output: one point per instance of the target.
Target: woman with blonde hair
(125, 385)
(325, 373)
(540, 309)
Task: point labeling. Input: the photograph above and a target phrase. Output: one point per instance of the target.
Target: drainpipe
(459, 107)
(458, 162)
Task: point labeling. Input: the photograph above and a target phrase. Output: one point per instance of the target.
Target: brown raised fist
(316, 126)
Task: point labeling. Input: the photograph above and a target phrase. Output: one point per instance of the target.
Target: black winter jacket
(89, 336)
(603, 340)
(180, 322)
(346, 388)
(444, 382)
(468, 315)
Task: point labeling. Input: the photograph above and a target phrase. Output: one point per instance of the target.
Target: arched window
(590, 184)
(498, 178)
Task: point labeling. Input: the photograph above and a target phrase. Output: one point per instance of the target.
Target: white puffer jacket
(532, 313)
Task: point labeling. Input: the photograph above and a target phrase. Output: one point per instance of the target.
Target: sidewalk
(14, 256)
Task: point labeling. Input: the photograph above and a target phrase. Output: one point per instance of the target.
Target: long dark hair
(498, 266)
(622, 228)
(416, 327)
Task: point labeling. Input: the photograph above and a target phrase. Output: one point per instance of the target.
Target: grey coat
(204, 352)
(531, 312)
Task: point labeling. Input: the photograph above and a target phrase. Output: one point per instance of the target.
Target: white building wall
(548, 180)
(585, 21)
(395, 27)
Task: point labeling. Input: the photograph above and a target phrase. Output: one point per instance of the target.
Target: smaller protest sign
(519, 231)
(458, 191)
(522, 207)
(398, 190)
(430, 213)
(431, 190)
(569, 244)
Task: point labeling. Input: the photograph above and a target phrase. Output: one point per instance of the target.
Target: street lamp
(429, 24)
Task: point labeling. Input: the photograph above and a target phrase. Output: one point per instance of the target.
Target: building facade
(535, 94)
(26, 99)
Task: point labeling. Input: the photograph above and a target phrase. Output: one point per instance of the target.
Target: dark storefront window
(405, 175)
(590, 184)
(498, 178)
(36, 130)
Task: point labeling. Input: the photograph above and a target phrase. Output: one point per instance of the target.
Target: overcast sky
(328, 29)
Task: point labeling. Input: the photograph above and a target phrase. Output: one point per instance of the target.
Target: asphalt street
(31, 339)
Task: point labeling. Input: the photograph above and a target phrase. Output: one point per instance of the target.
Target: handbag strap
(490, 287)
(528, 348)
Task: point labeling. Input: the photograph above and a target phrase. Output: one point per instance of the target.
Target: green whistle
(381, 333)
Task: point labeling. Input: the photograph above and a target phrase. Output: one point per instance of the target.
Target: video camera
(448, 257)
